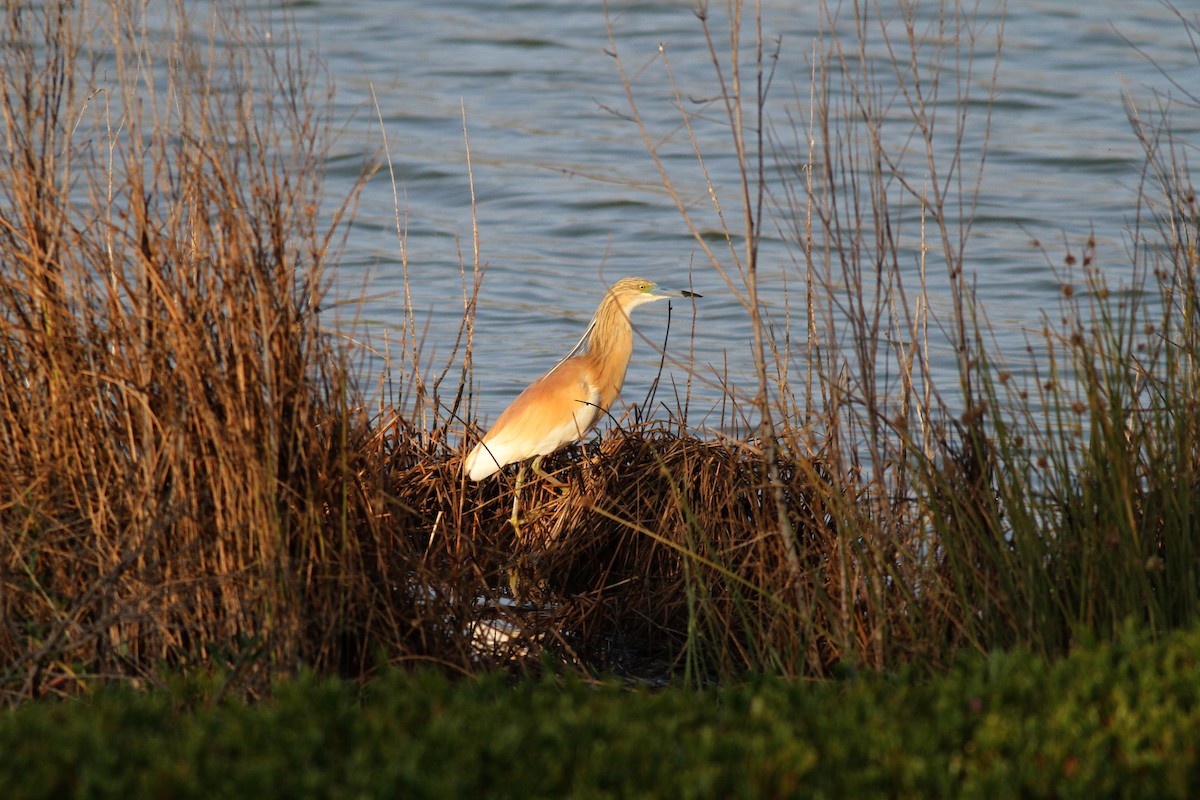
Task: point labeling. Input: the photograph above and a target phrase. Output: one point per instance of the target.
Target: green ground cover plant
(1117, 719)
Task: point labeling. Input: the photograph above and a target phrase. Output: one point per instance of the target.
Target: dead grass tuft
(646, 521)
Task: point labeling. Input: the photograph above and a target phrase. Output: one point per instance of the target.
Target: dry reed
(191, 482)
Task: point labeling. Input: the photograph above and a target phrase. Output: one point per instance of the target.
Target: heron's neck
(609, 346)
(611, 332)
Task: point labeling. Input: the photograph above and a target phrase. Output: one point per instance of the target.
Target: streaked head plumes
(562, 405)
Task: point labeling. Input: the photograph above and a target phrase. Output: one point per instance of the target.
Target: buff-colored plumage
(562, 405)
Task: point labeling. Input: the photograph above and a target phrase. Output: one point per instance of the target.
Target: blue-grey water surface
(568, 201)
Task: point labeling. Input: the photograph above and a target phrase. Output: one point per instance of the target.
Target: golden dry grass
(190, 481)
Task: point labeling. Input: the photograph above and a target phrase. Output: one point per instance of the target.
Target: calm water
(568, 200)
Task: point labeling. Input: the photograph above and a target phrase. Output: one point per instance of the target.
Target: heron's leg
(546, 476)
(514, 519)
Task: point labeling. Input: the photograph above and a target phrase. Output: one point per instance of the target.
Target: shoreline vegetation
(1110, 720)
(193, 484)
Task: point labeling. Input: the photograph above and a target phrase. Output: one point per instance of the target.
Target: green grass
(1119, 719)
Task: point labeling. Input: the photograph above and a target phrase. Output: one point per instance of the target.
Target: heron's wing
(576, 350)
(556, 409)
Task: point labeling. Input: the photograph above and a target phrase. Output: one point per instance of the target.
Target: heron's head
(633, 292)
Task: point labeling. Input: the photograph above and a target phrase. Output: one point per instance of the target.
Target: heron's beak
(675, 293)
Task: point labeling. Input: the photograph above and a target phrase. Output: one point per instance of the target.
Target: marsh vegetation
(195, 481)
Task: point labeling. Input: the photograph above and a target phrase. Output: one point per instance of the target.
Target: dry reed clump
(652, 535)
(190, 483)
(183, 482)
(439, 564)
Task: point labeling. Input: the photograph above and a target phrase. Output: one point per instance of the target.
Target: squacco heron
(563, 405)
